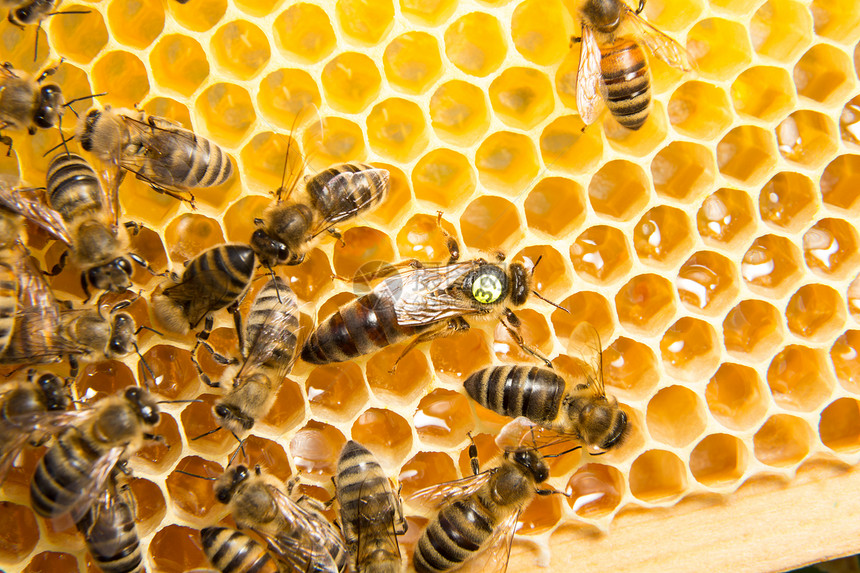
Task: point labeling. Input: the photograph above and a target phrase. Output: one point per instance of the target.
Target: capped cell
(815, 312)
(781, 29)
(595, 490)
(459, 112)
(675, 416)
(690, 349)
(771, 265)
(365, 22)
(193, 497)
(601, 254)
(619, 190)
(428, 12)
(830, 248)
(683, 171)
(413, 373)
(747, 153)
(176, 549)
(362, 251)
(123, 76)
(839, 427)
(388, 435)
(79, 37)
(663, 236)
(396, 128)
(566, 145)
(189, 235)
(315, 449)
(657, 476)
(839, 183)
(179, 63)
(304, 33)
(783, 441)
(507, 162)
(753, 329)
(412, 62)
(351, 82)
(823, 74)
(646, 303)
(198, 16)
(285, 94)
(534, 40)
(719, 460)
(240, 48)
(719, 48)
(700, 110)
(443, 417)
(798, 378)
(227, 112)
(549, 274)
(707, 282)
(336, 390)
(807, 138)
(459, 355)
(333, 140)
(426, 469)
(444, 177)
(726, 218)
(521, 97)
(764, 92)
(475, 43)
(490, 223)
(736, 396)
(788, 201)
(845, 355)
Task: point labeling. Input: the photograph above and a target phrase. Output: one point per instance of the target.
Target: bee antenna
(62, 143)
(195, 475)
(241, 444)
(149, 328)
(179, 401)
(241, 448)
(146, 367)
(546, 300)
(69, 103)
(209, 433)
(536, 263)
(562, 453)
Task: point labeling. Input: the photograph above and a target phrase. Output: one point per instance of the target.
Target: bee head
(50, 106)
(54, 390)
(86, 133)
(604, 15)
(229, 482)
(529, 459)
(144, 406)
(487, 284)
(122, 336)
(23, 15)
(114, 276)
(231, 417)
(603, 425)
(273, 252)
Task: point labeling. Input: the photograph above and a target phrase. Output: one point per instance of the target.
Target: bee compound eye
(487, 289)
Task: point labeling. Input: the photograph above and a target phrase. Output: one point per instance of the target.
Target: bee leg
(6, 140)
(473, 456)
(512, 324)
(450, 241)
(156, 438)
(334, 233)
(86, 287)
(551, 492)
(237, 323)
(122, 466)
(134, 227)
(641, 7)
(58, 268)
(73, 366)
(453, 326)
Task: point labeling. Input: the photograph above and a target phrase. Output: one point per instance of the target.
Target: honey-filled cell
(365, 22)
(421, 238)
(385, 433)
(189, 235)
(426, 469)
(630, 366)
(839, 183)
(51, 561)
(683, 171)
(771, 266)
(443, 417)
(428, 12)
(853, 296)
(149, 504)
(534, 330)
(459, 355)
(541, 515)
(823, 74)
(549, 274)
(845, 355)
(311, 277)
(583, 306)
(489, 223)
(123, 76)
(638, 142)
(199, 16)
(764, 92)
(657, 476)
(315, 449)
(507, 162)
(782, 441)
(268, 165)
(555, 206)
(753, 329)
(362, 250)
(595, 490)
(798, 378)
(747, 153)
(351, 81)
(726, 218)
(719, 460)
(194, 497)
(619, 190)
(79, 37)
(700, 110)
(831, 248)
(645, 303)
(566, 145)
(672, 16)
(736, 396)
(662, 236)
(690, 349)
(487, 450)
(707, 282)
(304, 33)
(849, 120)
(336, 390)
(534, 40)
(397, 129)
(412, 375)
(815, 312)
(807, 138)
(198, 421)
(781, 29)
(444, 177)
(240, 48)
(459, 112)
(839, 427)
(718, 48)
(788, 201)
(521, 97)
(158, 455)
(412, 62)
(288, 409)
(600, 254)
(175, 375)
(675, 416)
(475, 43)
(267, 454)
(19, 532)
(176, 549)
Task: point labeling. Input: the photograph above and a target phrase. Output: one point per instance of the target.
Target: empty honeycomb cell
(399, 196)
(555, 206)
(646, 303)
(849, 120)
(771, 265)
(269, 455)
(79, 37)
(336, 390)
(443, 177)
(674, 16)
(699, 109)
(683, 171)
(101, 379)
(675, 416)
(176, 376)
(459, 355)
(845, 355)
(426, 469)
(726, 218)
(782, 441)
(747, 153)
(239, 218)
(364, 21)
(601, 254)
(335, 140)
(663, 236)
(736, 396)
(619, 190)
(566, 145)
(149, 502)
(362, 251)
(315, 449)
(351, 81)
(428, 12)
(534, 330)
(443, 417)
(788, 201)
(595, 490)
(507, 162)
(763, 92)
(521, 97)
(637, 142)
(540, 515)
(459, 113)
(657, 475)
(690, 349)
(549, 273)
(807, 138)
(385, 433)
(781, 29)
(396, 128)
(839, 183)
(853, 295)
(718, 47)
(839, 427)
(837, 20)
(412, 62)
(533, 39)
(158, 455)
(798, 378)
(49, 561)
(707, 282)
(583, 306)
(191, 496)
(123, 76)
(753, 328)
(718, 460)
(19, 533)
(815, 312)
(199, 16)
(490, 223)
(830, 248)
(136, 23)
(420, 238)
(189, 235)
(258, 8)
(176, 549)
(226, 111)
(475, 43)
(197, 419)
(823, 74)
(240, 48)
(264, 156)
(304, 32)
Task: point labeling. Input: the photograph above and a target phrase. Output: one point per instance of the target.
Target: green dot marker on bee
(487, 289)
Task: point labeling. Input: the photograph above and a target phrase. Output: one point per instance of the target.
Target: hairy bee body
(110, 534)
(10, 230)
(626, 82)
(231, 551)
(30, 11)
(24, 103)
(336, 194)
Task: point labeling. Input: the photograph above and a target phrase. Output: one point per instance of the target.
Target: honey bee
(110, 532)
(424, 302)
(613, 67)
(231, 551)
(575, 407)
(337, 194)
(171, 159)
(77, 211)
(216, 278)
(96, 442)
(268, 351)
(25, 415)
(25, 103)
(479, 513)
(298, 534)
(371, 513)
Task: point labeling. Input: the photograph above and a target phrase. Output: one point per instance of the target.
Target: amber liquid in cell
(315, 449)
(192, 495)
(594, 490)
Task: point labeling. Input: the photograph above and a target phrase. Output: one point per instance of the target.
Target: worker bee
(371, 514)
(216, 278)
(268, 348)
(26, 415)
(577, 407)
(337, 194)
(479, 513)
(612, 65)
(171, 159)
(298, 533)
(96, 442)
(424, 302)
(77, 211)
(231, 551)
(110, 532)
(26, 103)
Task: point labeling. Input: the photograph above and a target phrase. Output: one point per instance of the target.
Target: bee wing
(318, 537)
(77, 502)
(436, 496)
(111, 510)
(658, 43)
(163, 143)
(349, 206)
(495, 556)
(425, 295)
(585, 341)
(299, 557)
(201, 300)
(32, 204)
(282, 322)
(588, 78)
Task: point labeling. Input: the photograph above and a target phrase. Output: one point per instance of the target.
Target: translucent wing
(17, 431)
(658, 43)
(350, 205)
(297, 556)
(269, 342)
(208, 291)
(588, 78)
(497, 551)
(318, 535)
(32, 204)
(427, 295)
(112, 511)
(72, 505)
(436, 496)
(585, 340)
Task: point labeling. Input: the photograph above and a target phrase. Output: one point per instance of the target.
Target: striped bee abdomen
(192, 161)
(627, 82)
(8, 305)
(230, 551)
(275, 313)
(457, 533)
(536, 393)
(60, 477)
(331, 195)
(111, 537)
(73, 187)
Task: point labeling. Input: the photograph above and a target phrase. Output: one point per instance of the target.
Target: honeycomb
(715, 250)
